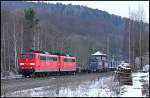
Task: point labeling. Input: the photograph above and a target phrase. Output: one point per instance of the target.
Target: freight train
(33, 62)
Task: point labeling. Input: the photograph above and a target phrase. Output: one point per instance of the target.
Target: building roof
(98, 53)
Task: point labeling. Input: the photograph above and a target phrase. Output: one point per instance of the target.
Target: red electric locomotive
(33, 62)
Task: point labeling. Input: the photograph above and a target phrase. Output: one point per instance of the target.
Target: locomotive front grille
(26, 71)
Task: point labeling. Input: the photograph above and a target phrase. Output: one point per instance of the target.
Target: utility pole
(4, 47)
(129, 37)
(108, 47)
(133, 58)
(140, 42)
(141, 15)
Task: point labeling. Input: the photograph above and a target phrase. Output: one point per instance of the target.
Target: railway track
(11, 85)
(47, 76)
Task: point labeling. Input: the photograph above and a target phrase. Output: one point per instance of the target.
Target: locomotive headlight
(32, 63)
(21, 63)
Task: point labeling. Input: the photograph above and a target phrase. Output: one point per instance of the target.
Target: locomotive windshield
(23, 56)
(30, 56)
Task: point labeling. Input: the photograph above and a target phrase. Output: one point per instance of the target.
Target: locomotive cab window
(31, 56)
(23, 56)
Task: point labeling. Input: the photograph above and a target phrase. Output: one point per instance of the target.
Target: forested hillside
(73, 29)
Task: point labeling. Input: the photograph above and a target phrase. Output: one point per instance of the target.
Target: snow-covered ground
(137, 89)
(9, 75)
(101, 87)
(12, 77)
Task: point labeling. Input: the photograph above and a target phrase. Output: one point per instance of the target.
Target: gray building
(98, 62)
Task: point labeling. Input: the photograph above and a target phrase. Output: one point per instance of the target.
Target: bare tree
(38, 37)
(131, 36)
(22, 36)
(8, 52)
(133, 39)
(134, 16)
(3, 40)
(141, 18)
(15, 44)
(108, 47)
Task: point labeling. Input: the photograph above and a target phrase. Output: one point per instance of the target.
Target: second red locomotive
(35, 62)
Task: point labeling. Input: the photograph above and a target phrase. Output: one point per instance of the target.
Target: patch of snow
(98, 53)
(135, 89)
(145, 68)
(9, 75)
(101, 87)
(130, 92)
(124, 65)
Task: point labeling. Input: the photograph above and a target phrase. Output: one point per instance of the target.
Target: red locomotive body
(47, 63)
(67, 63)
(33, 62)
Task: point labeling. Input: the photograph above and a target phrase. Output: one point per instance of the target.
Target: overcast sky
(120, 8)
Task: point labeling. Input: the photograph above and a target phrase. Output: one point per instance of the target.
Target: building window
(103, 58)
